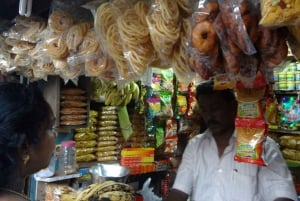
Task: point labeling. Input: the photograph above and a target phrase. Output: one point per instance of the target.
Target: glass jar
(67, 158)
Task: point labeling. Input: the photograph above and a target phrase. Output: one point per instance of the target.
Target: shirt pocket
(244, 182)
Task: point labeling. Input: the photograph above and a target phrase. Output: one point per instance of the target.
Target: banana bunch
(121, 95)
(114, 191)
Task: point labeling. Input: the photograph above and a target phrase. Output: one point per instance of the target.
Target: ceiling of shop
(9, 8)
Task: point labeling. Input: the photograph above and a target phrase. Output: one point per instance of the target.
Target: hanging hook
(25, 7)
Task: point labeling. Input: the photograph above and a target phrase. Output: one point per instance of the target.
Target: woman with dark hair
(27, 137)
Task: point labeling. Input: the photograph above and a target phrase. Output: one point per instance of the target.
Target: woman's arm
(176, 195)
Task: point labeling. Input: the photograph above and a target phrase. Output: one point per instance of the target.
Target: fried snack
(280, 13)
(84, 151)
(85, 158)
(106, 148)
(104, 18)
(141, 9)
(73, 111)
(136, 40)
(72, 97)
(115, 50)
(71, 117)
(22, 47)
(31, 33)
(73, 103)
(163, 26)
(86, 144)
(89, 45)
(95, 67)
(56, 48)
(204, 38)
(60, 21)
(76, 35)
(180, 61)
(107, 158)
(72, 122)
(72, 91)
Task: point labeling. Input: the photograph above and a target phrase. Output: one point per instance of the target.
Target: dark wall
(10, 8)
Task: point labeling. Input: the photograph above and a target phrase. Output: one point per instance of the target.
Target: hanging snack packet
(166, 103)
(251, 134)
(251, 128)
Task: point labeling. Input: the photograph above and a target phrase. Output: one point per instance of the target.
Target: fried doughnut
(204, 37)
(59, 21)
(56, 48)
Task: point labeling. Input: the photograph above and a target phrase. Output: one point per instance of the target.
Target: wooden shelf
(284, 131)
(283, 92)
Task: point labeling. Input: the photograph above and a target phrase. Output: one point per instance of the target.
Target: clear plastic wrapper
(164, 25)
(280, 13)
(136, 42)
(74, 8)
(272, 46)
(85, 136)
(179, 61)
(232, 13)
(84, 151)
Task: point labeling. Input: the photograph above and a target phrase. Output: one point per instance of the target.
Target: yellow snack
(280, 12)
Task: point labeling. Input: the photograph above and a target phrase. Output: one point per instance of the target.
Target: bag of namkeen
(251, 134)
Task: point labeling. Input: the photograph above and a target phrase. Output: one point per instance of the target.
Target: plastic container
(290, 85)
(282, 85)
(282, 76)
(297, 85)
(297, 75)
(67, 158)
(290, 76)
(276, 76)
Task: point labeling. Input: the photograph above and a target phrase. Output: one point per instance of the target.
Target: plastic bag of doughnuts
(280, 13)
(240, 22)
(272, 46)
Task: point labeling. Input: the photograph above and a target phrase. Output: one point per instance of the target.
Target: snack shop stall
(120, 76)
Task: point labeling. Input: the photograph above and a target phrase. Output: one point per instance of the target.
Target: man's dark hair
(207, 88)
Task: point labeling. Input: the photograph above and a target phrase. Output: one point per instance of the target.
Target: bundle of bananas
(114, 191)
(114, 94)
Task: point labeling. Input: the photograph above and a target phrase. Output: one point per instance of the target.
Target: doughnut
(204, 37)
(56, 48)
(59, 21)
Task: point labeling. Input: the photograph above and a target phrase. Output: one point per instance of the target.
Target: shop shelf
(284, 131)
(57, 178)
